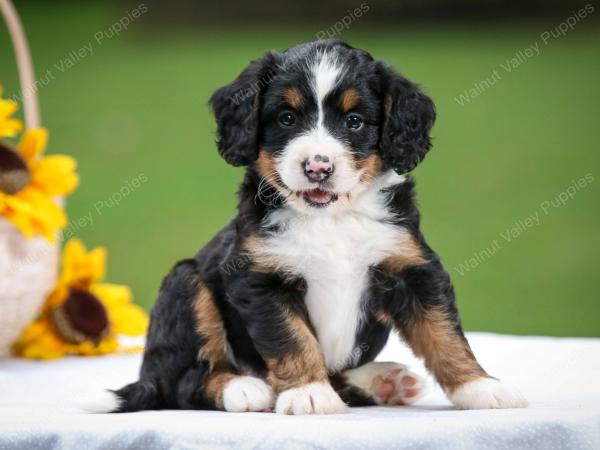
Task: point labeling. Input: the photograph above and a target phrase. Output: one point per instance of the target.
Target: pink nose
(318, 168)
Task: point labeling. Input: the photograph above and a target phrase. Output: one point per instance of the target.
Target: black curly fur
(236, 108)
(409, 117)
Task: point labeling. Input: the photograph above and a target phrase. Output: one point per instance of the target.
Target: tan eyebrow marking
(293, 97)
(349, 99)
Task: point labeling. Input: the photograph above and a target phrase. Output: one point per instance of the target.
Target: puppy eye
(354, 122)
(287, 119)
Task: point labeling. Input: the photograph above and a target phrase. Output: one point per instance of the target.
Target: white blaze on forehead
(326, 71)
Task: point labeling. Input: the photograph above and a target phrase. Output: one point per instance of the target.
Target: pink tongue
(319, 196)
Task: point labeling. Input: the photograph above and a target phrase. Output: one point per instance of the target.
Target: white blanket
(560, 377)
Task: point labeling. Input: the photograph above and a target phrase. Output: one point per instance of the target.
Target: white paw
(387, 382)
(313, 398)
(487, 393)
(247, 394)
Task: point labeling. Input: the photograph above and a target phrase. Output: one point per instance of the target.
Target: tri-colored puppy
(289, 304)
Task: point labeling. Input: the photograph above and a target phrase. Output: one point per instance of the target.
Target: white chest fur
(333, 253)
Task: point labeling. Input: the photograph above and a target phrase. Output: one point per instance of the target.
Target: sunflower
(82, 316)
(9, 127)
(29, 183)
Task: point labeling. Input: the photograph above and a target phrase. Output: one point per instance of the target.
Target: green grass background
(138, 106)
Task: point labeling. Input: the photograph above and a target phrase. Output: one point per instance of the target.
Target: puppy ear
(409, 115)
(236, 109)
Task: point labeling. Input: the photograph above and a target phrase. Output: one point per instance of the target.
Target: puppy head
(321, 122)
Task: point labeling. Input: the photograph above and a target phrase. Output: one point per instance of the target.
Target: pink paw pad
(397, 387)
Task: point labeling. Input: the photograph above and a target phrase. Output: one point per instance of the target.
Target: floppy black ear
(236, 109)
(409, 115)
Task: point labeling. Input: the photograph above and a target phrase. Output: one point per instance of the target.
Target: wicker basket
(28, 267)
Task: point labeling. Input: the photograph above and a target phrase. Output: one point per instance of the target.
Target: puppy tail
(137, 396)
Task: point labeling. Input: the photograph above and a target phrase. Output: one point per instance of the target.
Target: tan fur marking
(215, 383)
(261, 261)
(371, 167)
(447, 354)
(349, 99)
(210, 327)
(307, 365)
(384, 317)
(266, 168)
(265, 165)
(406, 253)
(294, 98)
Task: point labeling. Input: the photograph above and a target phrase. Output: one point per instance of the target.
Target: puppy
(287, 306)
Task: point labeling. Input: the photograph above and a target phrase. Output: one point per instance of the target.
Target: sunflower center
(14, 174)
(82, 317)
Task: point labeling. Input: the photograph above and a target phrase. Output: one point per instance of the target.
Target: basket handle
(24, 64)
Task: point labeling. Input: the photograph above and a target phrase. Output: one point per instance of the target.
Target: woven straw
(28, 267)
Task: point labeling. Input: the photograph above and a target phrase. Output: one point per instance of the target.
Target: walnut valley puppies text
(100, 206)
(521, 226)
(74, 56)
(523, 55)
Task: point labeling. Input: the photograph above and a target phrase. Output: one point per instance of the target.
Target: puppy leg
(440, 340)
(384, 383)
(275, 317)
(300, 377)
(214, 379)
(425, 314)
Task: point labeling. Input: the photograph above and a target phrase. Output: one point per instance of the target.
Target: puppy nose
(318, 168)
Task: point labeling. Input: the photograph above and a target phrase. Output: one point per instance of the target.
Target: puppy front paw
(313, 398)
(487, 393)
(245, 393)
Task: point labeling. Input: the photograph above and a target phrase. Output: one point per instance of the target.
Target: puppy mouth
(318, 198)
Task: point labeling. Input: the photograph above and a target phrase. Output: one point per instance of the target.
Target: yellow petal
(7, 109)
(32, 332)
(8, 126)
(19, 212)
(81, 268)
(73, 251)
(33, 143)
(45, 346)
(125, 317)
(110, 344)
(33, 212)
(57, 296)
(129, 319)
(44, 215)
(54, 175)
(18, 203)
(112, 294)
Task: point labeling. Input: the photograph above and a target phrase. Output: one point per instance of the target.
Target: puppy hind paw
(397, 386)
